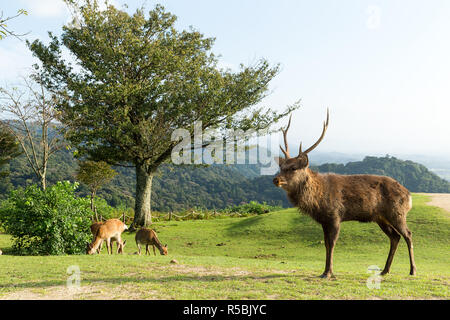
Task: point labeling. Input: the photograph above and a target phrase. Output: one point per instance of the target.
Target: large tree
(135, 79)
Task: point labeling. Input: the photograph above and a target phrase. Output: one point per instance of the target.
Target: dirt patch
(53, 293)
(88, 292)
(441, 200)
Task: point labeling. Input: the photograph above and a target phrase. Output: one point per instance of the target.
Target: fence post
(96, 215)
(170, 215)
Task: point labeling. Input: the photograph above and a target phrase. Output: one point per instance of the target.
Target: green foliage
(50, 222)
(105, 211)
(9, 148)
(95, 174)
(177, 188)
(252, 207)
(138, 79)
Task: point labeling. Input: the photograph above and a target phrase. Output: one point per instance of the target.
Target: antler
(325, 127)
(286, 152)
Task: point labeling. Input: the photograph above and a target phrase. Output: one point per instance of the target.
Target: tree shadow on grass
(301, 229)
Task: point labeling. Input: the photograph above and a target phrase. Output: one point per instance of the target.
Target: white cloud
(45, 8)
(16, 60)
(55, 8)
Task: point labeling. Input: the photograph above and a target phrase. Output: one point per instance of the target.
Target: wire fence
(192, 215)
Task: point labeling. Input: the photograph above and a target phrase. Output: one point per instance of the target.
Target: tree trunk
(142, 209)
(43, 181)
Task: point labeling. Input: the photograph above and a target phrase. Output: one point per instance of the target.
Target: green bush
(252, 207)
(50, 222)
(105, 211)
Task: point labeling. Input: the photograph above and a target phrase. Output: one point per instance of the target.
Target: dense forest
(216, 186)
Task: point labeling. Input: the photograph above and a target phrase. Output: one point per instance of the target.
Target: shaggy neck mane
(307, 192)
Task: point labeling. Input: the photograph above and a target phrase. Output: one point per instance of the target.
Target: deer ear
(165, 246)
(302, 160)
(279, 160)
(124, 241)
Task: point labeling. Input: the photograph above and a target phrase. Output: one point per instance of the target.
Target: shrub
(50, 222)
(105, 211)
(252, 207)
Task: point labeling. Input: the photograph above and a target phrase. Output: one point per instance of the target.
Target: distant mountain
(414, 176)
(216, 186)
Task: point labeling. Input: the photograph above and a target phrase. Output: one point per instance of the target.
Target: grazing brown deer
(94, 228)
(331, 199)
(110, 230)
(149, 237)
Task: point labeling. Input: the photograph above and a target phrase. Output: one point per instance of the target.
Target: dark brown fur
(331, 199)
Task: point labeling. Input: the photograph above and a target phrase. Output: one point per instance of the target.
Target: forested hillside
(414, 176)
(217, 186)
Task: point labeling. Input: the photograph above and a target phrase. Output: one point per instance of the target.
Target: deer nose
(276, 181)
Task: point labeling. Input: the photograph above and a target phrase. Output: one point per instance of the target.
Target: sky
(381, 67)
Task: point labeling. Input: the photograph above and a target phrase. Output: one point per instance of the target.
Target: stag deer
(149, 237)
(111, 230)
(331, 199)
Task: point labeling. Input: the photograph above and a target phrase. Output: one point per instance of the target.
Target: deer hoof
(327, 275)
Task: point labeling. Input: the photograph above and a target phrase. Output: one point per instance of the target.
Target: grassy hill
(272, 256)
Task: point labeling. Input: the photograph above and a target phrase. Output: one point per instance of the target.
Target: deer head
(163, 250)
(90, 249)
(293, 170)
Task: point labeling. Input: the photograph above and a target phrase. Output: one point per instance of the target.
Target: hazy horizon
(381, 67)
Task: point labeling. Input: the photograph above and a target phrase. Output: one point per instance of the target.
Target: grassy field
(272, 256)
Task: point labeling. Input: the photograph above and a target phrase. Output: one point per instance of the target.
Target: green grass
(272, 256)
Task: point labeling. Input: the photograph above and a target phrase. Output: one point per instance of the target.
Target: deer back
(111, 228)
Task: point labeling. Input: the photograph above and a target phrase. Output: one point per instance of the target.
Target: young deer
(149, 237)
(331, 199)
(111, 230)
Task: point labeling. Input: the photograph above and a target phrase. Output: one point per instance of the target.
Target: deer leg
(331, 234)
(395, 238)
(99, 249)
(147, 252)
(139, 248)
(154, 251)
(407, 235)
(108, 245)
